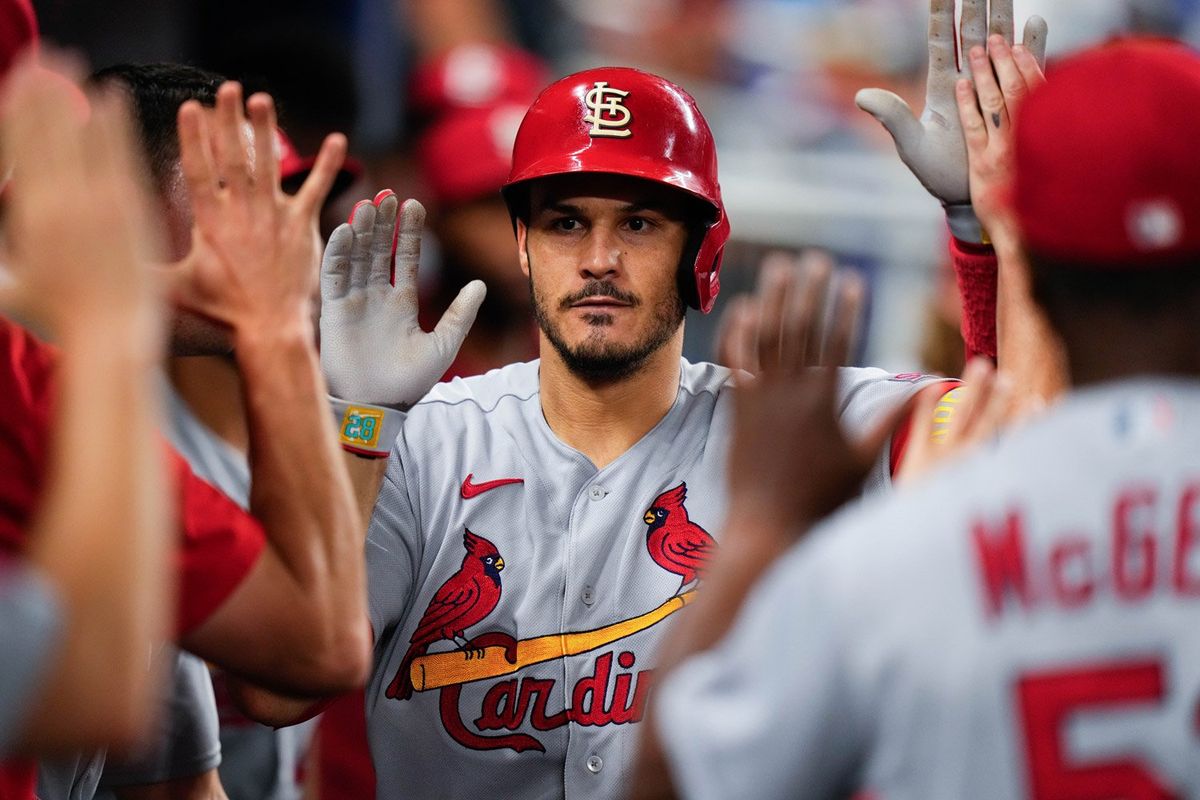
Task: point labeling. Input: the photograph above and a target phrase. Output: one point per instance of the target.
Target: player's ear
(523, 245)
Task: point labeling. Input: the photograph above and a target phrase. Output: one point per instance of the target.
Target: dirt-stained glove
(933, 146)
(376, 359)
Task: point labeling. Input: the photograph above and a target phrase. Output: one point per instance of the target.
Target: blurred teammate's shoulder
(28, 362)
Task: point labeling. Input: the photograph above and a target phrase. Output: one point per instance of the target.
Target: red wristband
(975, 270)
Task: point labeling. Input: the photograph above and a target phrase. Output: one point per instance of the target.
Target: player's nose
(602, 253)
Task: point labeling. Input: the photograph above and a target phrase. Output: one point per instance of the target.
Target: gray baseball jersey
(563, 577)
(186, 742)
(29, 630)
(1021, 625)
(256, 762)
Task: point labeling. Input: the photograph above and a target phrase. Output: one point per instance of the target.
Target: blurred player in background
(465, 158)
(85, 584)
(232, 587)
(1026, 627)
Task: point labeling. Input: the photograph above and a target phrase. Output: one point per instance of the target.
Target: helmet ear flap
(697, 254)
(705, 268)
(516, 197)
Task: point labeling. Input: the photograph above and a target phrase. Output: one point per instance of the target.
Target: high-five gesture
(64, 279)
(1002, 76)
(791, 461)
(932, 146)
(255, 250)
(373, 349)
(1027, 347)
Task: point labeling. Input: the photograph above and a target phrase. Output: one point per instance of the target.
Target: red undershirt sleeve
(220, 543)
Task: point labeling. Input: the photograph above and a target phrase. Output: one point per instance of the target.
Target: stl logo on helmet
(609, 116)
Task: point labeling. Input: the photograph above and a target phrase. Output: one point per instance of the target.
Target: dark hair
(1065, 287)
(157, 91)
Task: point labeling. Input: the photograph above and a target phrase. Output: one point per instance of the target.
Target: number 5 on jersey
(1047, 700)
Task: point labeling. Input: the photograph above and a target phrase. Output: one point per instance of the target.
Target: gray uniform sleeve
(769, 707)
(30, 624)
(187, 742)
(393, 547)
(868, 396)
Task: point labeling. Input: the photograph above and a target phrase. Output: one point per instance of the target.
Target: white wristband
(364, 429)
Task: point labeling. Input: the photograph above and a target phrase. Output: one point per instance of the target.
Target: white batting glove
(933, 146)
(374, 354)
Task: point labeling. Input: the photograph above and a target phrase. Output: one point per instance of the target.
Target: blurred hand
(791, 462)
(947, 425)
(932, 146)
(372, 347)
(255, 249)
(68, 270)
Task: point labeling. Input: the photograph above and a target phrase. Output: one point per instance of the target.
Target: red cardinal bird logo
(465, 599)
(675, 542)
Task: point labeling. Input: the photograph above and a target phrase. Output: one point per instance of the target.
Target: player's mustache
(597, 288)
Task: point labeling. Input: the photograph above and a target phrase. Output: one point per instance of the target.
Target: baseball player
(1021, 625)
(187, 752)
(296, 586)
(540, 526)
(81, 605)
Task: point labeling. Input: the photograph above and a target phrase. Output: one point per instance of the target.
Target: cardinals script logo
(615, 692)
(609, 116)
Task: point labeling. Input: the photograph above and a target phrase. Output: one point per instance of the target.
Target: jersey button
(597, 492)
(595, 764)
(588, 595)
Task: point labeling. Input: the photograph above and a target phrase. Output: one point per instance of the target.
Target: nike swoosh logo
(470, 490)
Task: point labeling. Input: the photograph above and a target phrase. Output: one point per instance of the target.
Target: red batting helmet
(627, 122)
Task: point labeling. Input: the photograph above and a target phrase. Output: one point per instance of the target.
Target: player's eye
(638, 224)
(566, 224)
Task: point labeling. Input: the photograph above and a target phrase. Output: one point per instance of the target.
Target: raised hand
(69, 271)
(932, 146)
(791, 462)
(985, 111)
(373, 349)
(255, 250)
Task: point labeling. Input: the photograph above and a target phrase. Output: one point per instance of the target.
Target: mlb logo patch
(361, 427)
(906, 377)
(1144, 420)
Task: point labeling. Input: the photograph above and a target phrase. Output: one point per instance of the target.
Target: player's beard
(596, 359)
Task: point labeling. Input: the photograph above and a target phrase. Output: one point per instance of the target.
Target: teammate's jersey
(1023, 624)
(186, 741)
(30, 626)
(219, 543)
(256, 761)
(488, 528)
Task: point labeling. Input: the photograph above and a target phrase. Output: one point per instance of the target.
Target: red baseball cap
(1106, 165)
(467, 154)
(294, 168)
(475, 75)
